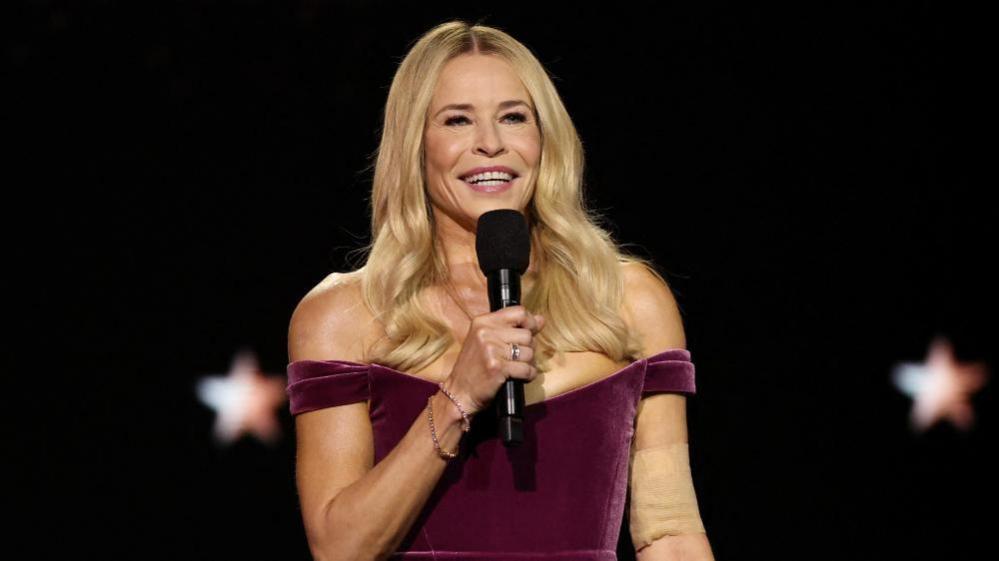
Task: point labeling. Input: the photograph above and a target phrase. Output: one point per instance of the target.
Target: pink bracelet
(466, 425)
(433, 432)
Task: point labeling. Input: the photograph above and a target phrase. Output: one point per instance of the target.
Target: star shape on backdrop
(940, 388)
(244, 401)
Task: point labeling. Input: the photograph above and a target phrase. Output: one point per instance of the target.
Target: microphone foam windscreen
(502, 241)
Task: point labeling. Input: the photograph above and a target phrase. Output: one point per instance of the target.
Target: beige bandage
(663, 502)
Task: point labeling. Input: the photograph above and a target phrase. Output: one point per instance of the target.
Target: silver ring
(514, 351)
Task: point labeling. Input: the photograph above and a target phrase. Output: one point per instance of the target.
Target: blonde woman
(393, 366)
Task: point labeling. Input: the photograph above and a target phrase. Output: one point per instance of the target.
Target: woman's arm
(662, 473)
(350, 508)
(661, 422)
(368, 518)
(688, 547)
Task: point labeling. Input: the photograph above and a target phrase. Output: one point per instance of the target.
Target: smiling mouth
(491, 185)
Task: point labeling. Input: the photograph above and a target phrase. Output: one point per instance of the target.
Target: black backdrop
(805, 175)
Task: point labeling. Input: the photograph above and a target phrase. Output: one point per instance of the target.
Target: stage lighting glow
(244, 400)
(941, 388)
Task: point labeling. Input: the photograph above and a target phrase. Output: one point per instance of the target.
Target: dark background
(806, 176)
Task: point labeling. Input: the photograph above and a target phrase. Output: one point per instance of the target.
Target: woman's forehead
(484, 81)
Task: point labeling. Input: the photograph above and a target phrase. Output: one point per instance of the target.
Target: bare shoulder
(334, 445)
(650, 310)
(331, 321)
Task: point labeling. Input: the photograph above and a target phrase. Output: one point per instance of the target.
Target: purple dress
(559, 495)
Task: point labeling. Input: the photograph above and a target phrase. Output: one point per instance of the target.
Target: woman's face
(495, 126)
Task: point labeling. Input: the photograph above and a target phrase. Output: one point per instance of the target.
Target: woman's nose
(488, 141)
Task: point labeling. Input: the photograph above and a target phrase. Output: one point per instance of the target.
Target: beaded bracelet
(467, 425)
(433, 433)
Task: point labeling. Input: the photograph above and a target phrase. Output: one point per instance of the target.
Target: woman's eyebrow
(469, 106)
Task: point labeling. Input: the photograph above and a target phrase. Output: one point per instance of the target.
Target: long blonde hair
(578, 285)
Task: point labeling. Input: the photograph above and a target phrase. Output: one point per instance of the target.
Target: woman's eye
(519, 118)
(451, 120)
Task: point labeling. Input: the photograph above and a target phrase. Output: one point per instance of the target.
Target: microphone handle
(504, 290)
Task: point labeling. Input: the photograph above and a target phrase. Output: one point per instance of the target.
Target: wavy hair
(578, 282)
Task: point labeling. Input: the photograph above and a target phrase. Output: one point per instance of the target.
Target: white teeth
(489, 175)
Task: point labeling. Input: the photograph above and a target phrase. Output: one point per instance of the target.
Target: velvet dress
(560, 495)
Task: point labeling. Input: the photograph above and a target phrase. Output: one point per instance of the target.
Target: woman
(391, 364)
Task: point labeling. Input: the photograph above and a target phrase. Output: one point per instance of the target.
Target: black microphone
(503, 246)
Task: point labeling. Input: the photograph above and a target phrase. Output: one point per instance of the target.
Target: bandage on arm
(663, 502)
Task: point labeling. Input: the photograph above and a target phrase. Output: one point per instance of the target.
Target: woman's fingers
(520, 316)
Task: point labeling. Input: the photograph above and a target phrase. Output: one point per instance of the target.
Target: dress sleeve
(669, 371)
(315, 384)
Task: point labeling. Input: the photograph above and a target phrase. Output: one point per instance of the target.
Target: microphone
(503, 247)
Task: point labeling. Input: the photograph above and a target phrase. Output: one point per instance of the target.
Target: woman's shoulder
(331, 321)
(649, 308)
(337, 292)
(642, 286)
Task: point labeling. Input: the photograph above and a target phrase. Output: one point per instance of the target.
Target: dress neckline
(662, 355)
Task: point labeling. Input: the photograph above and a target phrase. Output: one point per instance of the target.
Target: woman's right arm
(354, 511)
(350, 508)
